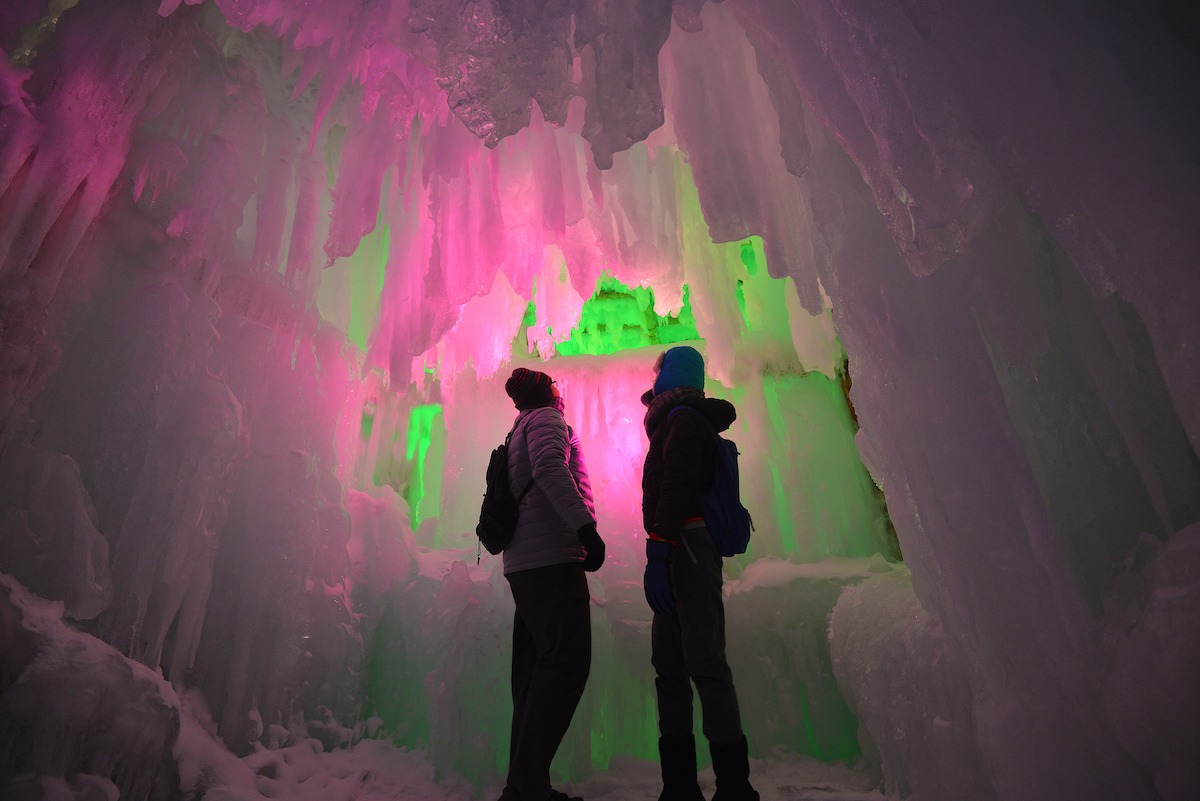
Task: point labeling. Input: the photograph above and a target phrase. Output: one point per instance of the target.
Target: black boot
(678, 757)
(732, 766)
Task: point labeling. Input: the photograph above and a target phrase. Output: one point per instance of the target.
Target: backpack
(498, 513)
(727, 521)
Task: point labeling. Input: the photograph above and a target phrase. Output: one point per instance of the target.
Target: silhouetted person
(683, 583)
(554, 543)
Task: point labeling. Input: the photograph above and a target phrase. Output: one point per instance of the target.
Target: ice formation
(264, 267)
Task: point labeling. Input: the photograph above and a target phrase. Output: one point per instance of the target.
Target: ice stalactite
(66, 136)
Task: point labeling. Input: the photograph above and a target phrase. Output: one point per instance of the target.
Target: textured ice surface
(73, 705)
(264, 266)
(84, 711)
(1149, 696)
(48, 537)
(907, 684)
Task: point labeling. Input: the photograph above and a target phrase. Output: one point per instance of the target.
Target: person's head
(530, 389)
(681, 366)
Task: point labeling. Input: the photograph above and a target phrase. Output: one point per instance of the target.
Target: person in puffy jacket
(683, 583)
(554, 543)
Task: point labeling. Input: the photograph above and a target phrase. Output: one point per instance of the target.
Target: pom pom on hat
(679, 367)
(530, 389)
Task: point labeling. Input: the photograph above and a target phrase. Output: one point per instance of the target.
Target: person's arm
(580, 472)
(549, 459)
(589, 537)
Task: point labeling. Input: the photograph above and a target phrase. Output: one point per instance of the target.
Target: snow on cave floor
(374, 770)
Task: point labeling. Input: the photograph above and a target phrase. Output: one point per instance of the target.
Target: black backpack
(498, 513)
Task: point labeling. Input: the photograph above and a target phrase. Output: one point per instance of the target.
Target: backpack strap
(528, 486)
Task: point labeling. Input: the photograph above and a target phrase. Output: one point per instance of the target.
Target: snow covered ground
(376, 771)
(79, 708)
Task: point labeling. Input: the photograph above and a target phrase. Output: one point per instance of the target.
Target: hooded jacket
(546, 450)
(681, 457)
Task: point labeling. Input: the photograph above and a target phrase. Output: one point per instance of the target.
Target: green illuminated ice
(439, 665)
(424, 483)
(618, 318)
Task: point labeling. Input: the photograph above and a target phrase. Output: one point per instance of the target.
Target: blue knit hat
(679, 367)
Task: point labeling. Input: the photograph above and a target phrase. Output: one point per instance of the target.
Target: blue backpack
(727, 521)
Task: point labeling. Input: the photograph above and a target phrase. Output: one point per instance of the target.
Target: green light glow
(837, 510)
(617, 714)
(741, 299)
(351, 291)
(751, 252)
(761, 299)
(618, 318)
(787, 526)
(365, 295)
(438, 674)
(403, 708)
(424, 423)
(333, 153)
(433, 689)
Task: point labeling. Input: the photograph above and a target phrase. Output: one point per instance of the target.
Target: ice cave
(266, 265)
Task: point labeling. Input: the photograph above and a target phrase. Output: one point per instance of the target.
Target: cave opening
(266, 267)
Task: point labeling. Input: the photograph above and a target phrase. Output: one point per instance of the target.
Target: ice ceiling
(266, 265)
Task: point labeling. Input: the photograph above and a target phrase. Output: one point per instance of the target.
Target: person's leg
(696, 580)
(731, 764)
(677, 759)
(554, 603)
(673, 690)
(524, 655)
(672, 684)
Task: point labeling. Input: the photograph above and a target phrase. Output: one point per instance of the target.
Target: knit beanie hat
(679, 367)
(530, 389)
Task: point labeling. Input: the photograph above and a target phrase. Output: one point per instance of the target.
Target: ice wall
(82, 708)
(1018, 521)
(265, 266)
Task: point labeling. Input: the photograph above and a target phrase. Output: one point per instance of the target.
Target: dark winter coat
(543, 448)
(680, 459)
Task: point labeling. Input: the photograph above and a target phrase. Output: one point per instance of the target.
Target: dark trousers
(552, 654)
(688, 646)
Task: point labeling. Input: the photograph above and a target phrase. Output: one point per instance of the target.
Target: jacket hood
(719, 413)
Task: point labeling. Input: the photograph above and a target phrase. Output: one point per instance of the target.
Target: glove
(657, 581)
(594, 547)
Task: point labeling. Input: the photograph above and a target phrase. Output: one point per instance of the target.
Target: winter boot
(732, 767)
(678, 757)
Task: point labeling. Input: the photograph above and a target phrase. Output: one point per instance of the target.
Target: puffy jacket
(681, 457)
(545, 449)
